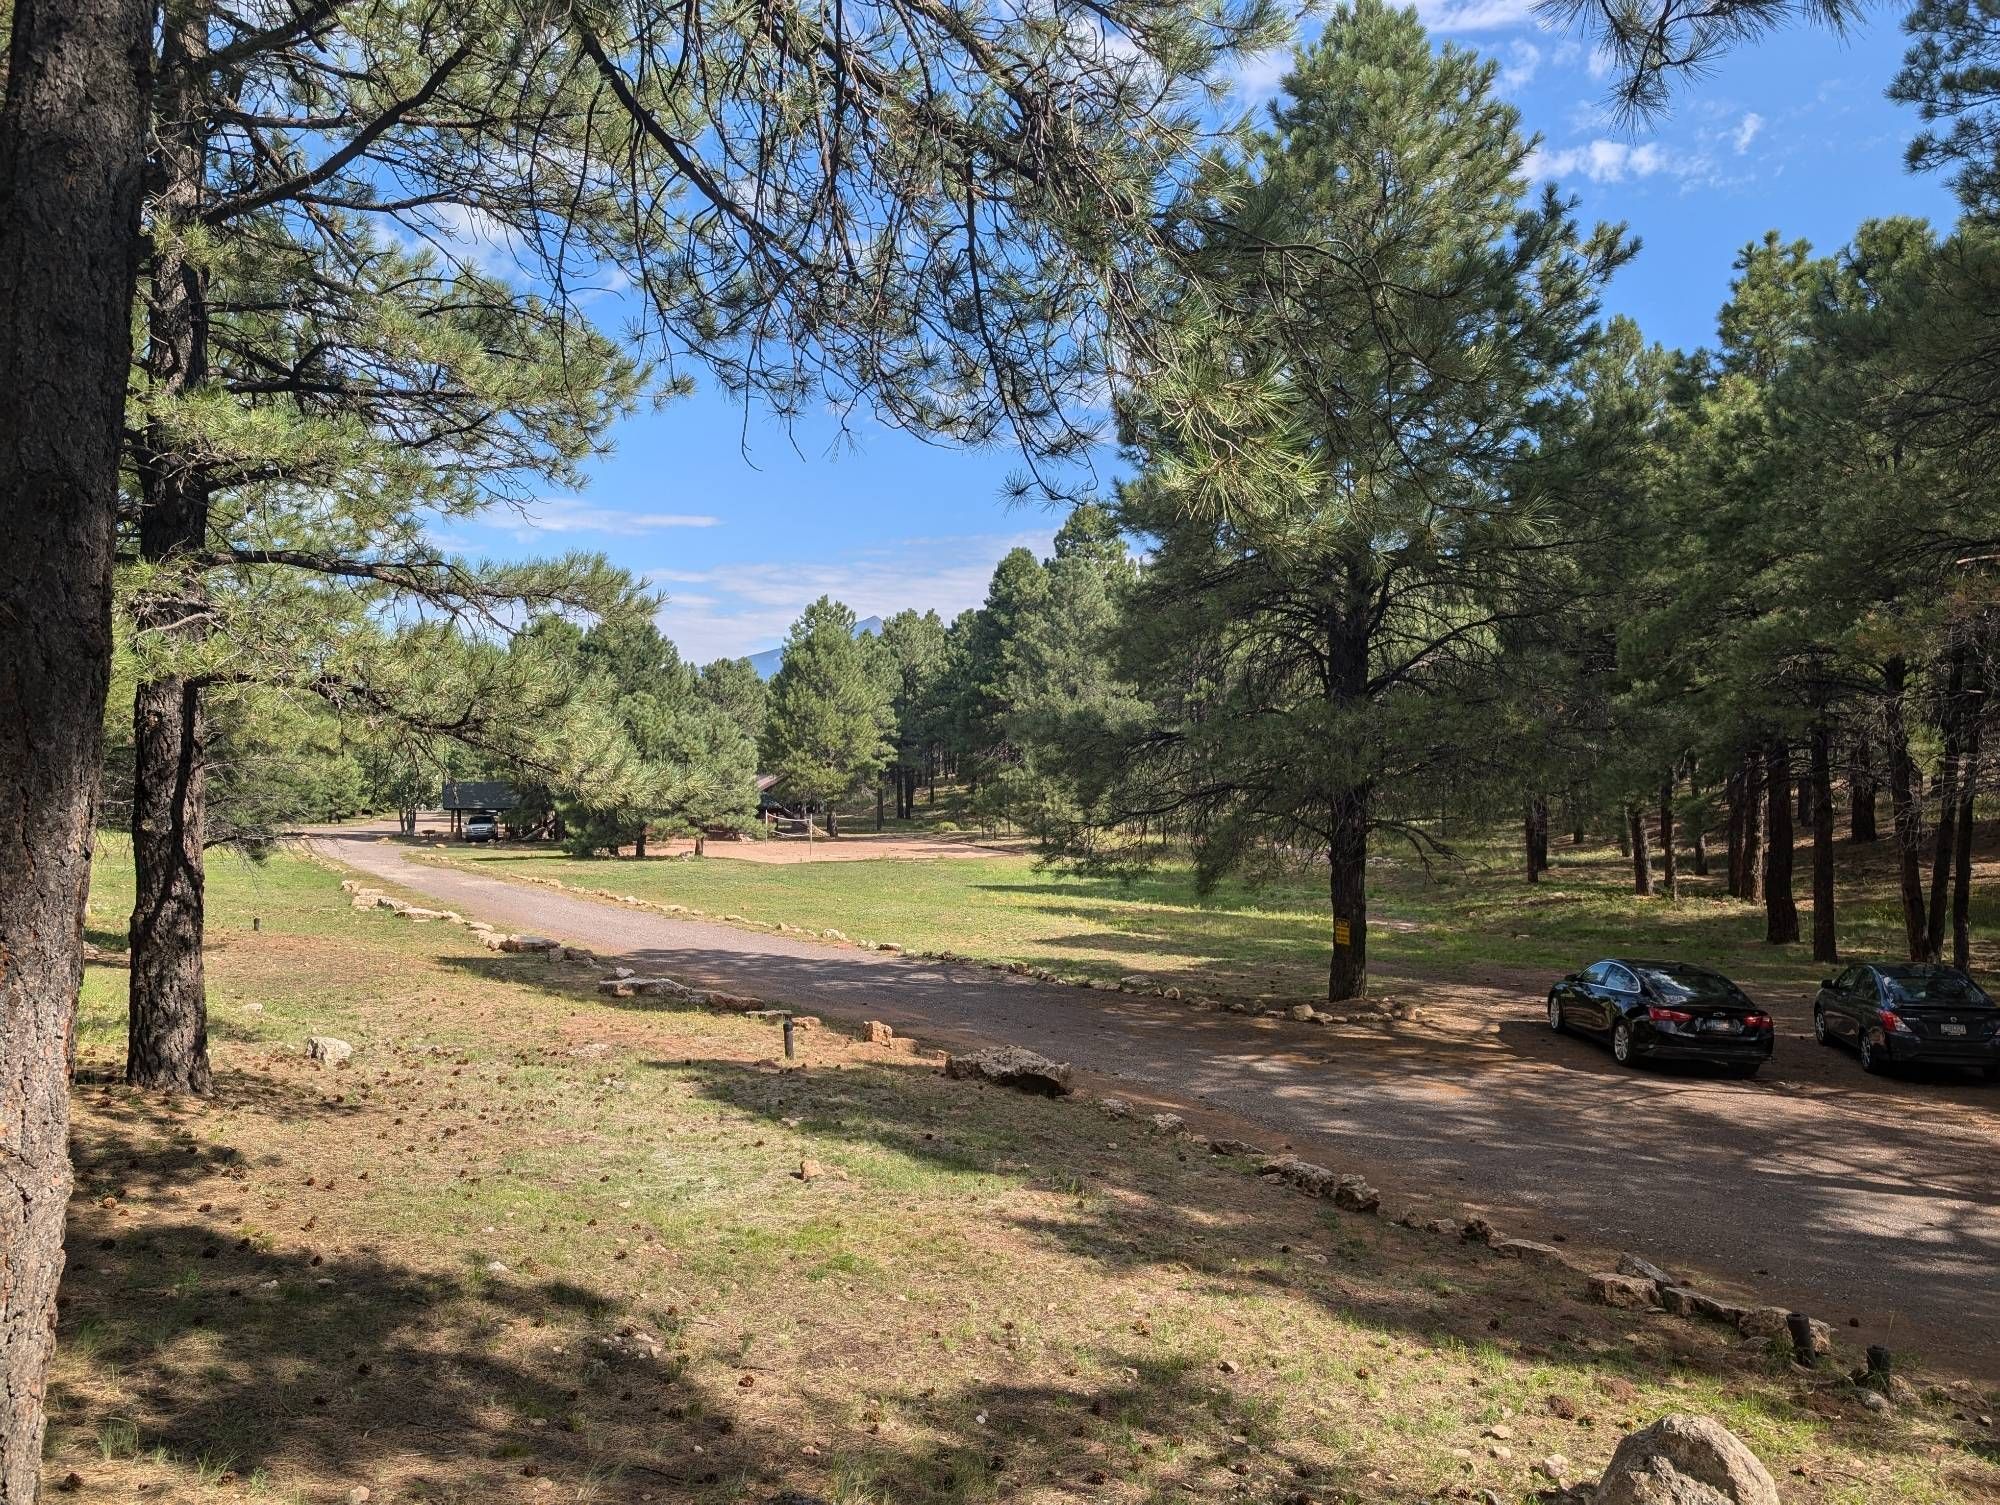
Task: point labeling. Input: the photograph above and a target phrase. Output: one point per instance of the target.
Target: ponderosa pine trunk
(1535, 835)
(1347, 864)
(1642, 861)
(1907, 815)
(1862, 792)
(1945, 837)
(72, 156)
(1753, 826)
(1961, 889)
(1781, 909)
(167, 1024)
(1825, 938)
(1669, 863)
(1732, 794)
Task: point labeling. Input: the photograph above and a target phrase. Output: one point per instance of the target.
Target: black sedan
(1664, 1011)
(1909, 1012)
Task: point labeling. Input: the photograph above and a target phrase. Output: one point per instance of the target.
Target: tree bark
(167, 1034)
(1753, 826)
(1907, 815)
(1862, 791)
(879, 802)
(1669, 868)
(1781, 909)
(1642, 861)
(1945, 837)
(1347, 863)
(1961, 890)
(72, 150)
(1825, 940)
(639, 842)
(1733, 796)
(1535, 835)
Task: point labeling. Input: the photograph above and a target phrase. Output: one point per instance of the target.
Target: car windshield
(1688, 985)
(1941, 985)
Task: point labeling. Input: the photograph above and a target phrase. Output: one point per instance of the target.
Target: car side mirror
(1827, 982)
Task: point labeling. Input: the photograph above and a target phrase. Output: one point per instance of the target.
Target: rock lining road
(1838, 1194)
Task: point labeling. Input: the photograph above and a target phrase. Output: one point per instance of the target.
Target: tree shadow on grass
(191, 1358)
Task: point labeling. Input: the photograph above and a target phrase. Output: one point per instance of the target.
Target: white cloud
(1475, 15)
(1259, 74)
(561, 514)
(1746, 131)
(1523, 59)
(1603, 161)
(739, 609)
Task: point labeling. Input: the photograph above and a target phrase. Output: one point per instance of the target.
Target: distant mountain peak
(768, 662)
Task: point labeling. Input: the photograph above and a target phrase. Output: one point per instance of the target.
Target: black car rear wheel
(1621, 1044)
(1873, 1060)
(1819, 1026)
(1555, 1013)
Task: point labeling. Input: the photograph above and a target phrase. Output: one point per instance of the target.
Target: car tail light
(1891, 1020)
(1757, 1021)
(1668, 1016)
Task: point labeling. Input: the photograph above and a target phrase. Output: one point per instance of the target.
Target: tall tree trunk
(1907, 814)
(72, 150)
(1961, 891)
(1669, 862)
(1347, 863)
(1700, 852)
(1945, 838)
(1733, 795)
(167, 1037)
(1753, 826)
(1534, 836)
(1781, 909)
(1825, 940)
(1642, 861)
(639, 842)
(1862, 791)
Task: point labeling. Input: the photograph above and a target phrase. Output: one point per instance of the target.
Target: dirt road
(1843, 1195)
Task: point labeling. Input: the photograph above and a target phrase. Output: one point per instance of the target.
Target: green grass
(1469, 919)
(285, 1292)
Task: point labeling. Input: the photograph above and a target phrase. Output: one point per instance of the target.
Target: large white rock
(1011, 1066)
(1685, 1460)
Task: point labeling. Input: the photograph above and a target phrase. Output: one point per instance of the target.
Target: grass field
(1457, 921)
(538, 1245)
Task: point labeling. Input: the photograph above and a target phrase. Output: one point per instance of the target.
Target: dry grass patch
(537, 1245)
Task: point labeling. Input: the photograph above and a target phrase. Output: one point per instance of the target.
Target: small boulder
(1356, 1195)
(1302, 1013)
(1313, 1180)
(1685, 1460)
(1232, 1147)
(1528, 1252)
(527, 943)
(328, 1051)
(1011, 1066)
(1645, 1269)
(1167, 1123)
(1114, 1107)
(810, 1170)
(875, 1032)
(1479, 1231)
(1631, 1292)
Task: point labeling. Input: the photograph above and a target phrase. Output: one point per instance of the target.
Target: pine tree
(1337, 540)
(827, 731)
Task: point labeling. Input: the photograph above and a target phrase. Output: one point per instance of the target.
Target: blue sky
(742, 524)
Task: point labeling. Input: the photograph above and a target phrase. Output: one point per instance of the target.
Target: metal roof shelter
(477, 794)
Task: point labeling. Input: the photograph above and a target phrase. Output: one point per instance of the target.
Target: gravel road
(1842, 1195)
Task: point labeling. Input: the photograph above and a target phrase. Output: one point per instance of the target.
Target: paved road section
(1842, 1195)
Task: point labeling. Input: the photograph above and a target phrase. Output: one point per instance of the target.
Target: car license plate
(1951, 1029)
(1721, 1026)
